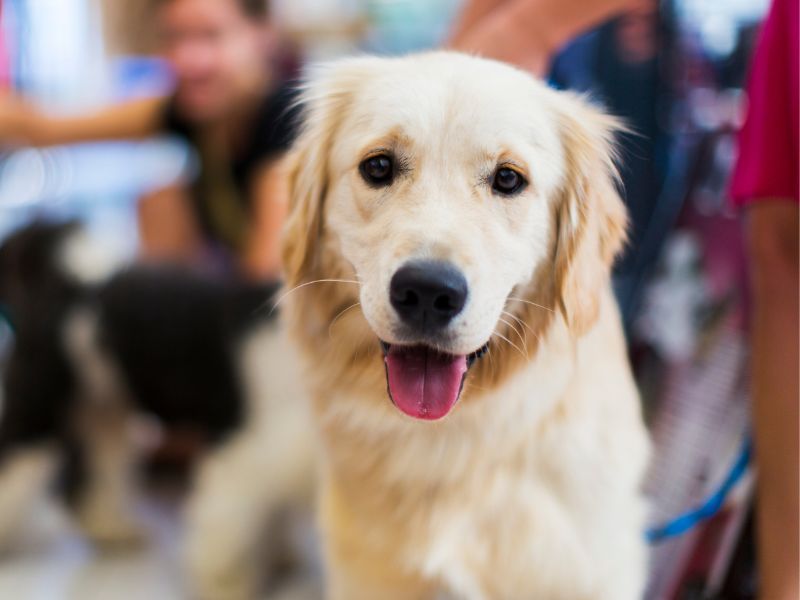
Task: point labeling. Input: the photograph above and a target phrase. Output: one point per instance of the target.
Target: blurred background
(674, 70)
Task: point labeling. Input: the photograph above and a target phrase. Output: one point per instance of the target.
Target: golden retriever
(452, 226)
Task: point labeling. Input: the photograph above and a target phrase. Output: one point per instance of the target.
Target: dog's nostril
(409, 299)
(443, 303)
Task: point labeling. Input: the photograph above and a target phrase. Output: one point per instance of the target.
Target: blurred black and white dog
(95, 343)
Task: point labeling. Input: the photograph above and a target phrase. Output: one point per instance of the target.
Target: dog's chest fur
(524, 492)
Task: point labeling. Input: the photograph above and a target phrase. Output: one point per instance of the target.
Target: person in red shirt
(4, 66)
(765, 186)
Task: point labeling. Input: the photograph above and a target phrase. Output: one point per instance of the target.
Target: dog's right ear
(323, 100)
(592, 219)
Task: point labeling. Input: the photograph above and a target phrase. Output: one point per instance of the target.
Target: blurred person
(765, 185)
(4, 66)
(231, 106)
(528, 33)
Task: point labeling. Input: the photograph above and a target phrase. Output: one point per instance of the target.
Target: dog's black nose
(428, 294)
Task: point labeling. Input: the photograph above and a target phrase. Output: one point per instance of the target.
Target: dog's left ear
(591, 217)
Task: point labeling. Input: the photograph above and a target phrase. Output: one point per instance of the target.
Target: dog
(95, 343)
(451, 231)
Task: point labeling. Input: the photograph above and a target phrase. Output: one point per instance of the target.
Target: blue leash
(686, 521)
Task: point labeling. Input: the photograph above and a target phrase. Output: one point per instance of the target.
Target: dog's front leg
(25, 473)
(344, 584)
(359, 578)
(361, 563)
(239, 490)
(104, 501)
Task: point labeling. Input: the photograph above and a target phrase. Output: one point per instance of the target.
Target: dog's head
(45, 265)
(29, 271)
(471, 203)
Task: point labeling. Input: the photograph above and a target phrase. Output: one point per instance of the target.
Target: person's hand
(471, 14)
(16, 117)
(496, 36)
(527, 33)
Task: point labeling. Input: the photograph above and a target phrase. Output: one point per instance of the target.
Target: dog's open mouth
(423, 382)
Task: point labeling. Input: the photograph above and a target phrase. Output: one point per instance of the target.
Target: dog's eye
(377, 170)
(507, 181)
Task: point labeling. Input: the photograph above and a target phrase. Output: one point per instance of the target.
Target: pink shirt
(4, 66)
(767, 166)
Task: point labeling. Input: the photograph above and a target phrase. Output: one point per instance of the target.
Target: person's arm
(23, 124)
(262, 258)
(772, 227)
(168, 229)
(473, 12)
(528, 32)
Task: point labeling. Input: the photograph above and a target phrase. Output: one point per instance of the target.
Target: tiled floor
(57, 564)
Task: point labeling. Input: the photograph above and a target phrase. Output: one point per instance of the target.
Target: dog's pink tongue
(422, 382)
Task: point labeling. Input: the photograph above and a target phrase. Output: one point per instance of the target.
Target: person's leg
(773, 241)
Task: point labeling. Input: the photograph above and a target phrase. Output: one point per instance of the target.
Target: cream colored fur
(242, 487)
(529, 489)
(24, 482)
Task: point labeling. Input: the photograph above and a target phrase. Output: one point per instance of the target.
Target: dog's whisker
(518, 332)
(531, 303)
(510, 343)
(307, 283)
(338, 316)
(524, 324)
(517, 320)
(487, 355)
(511, 326)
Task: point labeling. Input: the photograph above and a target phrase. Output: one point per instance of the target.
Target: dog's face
(29, 273)
(44, 266)
(443, 183)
